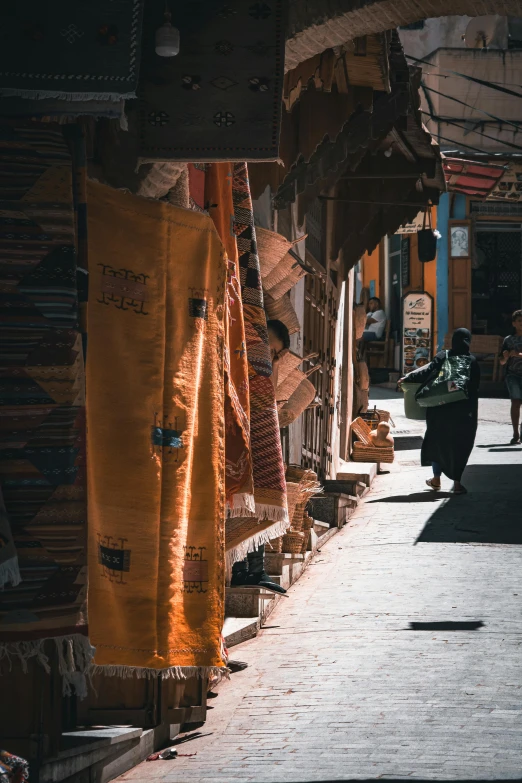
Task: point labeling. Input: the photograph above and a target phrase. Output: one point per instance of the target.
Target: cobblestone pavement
(352, 677)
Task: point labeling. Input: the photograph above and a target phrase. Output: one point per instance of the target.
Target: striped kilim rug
(267, 458)
(42, 407)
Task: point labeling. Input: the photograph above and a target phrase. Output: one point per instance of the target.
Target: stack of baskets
(302, 484)
(279, 273)
(363, 448)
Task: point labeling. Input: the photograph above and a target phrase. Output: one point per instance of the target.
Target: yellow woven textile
(155, 437)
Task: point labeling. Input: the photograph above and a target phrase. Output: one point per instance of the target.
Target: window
(514, 32)
(513, 209)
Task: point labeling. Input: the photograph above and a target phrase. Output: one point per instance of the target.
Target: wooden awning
(393, 119)
(473, 178)
(314, 26)
(360, 63)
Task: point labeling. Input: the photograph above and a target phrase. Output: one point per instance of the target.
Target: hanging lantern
(167, 38)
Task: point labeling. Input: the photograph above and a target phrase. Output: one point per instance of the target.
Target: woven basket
(293, 542)
(285, 389)
(283, 277)
(362, 431)
(308, 487)
(292, 496)
(296, 473)
(298, 402)
(289, 361)
(359, 320)
(282, 310)
(362, 453)
(275, 545)
(271, 247)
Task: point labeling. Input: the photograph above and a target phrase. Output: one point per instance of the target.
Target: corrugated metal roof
(473, 178)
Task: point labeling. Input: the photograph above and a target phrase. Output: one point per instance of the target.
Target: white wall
(438, 32)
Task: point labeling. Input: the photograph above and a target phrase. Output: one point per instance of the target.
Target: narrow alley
(398, 653)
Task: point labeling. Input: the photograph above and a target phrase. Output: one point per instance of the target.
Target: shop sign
(417, 330)
(413, 227)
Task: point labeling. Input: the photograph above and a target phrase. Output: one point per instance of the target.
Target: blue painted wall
(442, 269)
(443, 216)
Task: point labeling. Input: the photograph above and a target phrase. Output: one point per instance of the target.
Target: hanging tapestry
(238, 464)
(42, 414)
(267, 458)
(9, 569)
(155, 380)
(197, 176)
(82, 50)
(220, 98)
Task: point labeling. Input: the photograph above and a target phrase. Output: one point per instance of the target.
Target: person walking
(450, 428)
(511, 356)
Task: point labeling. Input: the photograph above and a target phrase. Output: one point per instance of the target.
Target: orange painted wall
(371, 270)
(422, 276)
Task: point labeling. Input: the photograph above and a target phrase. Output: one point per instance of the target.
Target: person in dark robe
(450, 428)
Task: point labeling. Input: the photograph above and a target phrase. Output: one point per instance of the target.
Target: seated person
(375, 321)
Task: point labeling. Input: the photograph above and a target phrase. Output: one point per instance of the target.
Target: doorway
(496, 276)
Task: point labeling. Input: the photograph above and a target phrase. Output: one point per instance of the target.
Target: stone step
(240, 629)
(99, 754)
(245, 601)
(335, 508)
(358, 471)
(320, 528)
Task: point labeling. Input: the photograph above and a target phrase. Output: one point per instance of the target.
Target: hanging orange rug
(156, 460)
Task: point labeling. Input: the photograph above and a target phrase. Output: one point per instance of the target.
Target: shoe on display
(237, 666)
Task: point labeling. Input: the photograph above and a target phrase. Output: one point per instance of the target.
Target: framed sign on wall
(459, 239)
(417, 330)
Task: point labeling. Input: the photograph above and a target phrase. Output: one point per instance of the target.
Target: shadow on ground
(449, 625)
(419, 780)
(490, 514)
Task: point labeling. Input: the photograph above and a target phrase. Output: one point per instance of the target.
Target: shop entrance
(496, 276)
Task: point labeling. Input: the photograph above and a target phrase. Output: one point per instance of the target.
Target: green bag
(449, 385)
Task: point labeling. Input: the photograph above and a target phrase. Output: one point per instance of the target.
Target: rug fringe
(10, 573)
(10, 92)
(274, 513)
(75, 654)
(240, 551)
(173, 672)
(241, 505)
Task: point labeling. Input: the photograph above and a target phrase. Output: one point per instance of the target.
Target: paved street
(399, 653)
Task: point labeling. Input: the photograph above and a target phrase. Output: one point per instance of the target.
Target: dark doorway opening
(496, 276)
